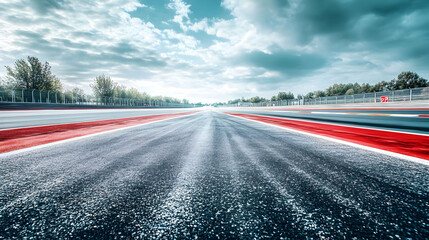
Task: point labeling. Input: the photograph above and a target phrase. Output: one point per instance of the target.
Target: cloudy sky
(215, 50)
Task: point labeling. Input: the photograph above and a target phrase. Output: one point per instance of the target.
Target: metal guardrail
(40, 96)
(412, 94)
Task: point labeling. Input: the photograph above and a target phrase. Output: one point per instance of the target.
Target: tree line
(33, 74)
(405, 80)
(257, 99)
(104, 87)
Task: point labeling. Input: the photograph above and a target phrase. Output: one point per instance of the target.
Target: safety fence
(412, 94)
(40, 96)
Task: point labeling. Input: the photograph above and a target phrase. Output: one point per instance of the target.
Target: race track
(208, 175)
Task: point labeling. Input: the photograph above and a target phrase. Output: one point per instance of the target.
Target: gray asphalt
(211, 176)
(405, 124)
(30, 118)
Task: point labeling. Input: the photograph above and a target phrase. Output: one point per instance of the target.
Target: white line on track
(351, 113)
(7, 154)
(392, 154)
(344, 125)
(61, 112)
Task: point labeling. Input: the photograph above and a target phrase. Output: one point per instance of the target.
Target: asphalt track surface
(210, 175)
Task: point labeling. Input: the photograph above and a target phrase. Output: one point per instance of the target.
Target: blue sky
(216, 50)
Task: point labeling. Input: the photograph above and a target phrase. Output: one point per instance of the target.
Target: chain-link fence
(412, 94)
(40, 96)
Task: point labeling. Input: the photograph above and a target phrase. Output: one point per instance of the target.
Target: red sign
(384, 98)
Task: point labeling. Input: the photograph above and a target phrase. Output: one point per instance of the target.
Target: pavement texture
(211, 176)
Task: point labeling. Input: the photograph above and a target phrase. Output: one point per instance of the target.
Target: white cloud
(185, 41)
(182, 12)
(83, 39)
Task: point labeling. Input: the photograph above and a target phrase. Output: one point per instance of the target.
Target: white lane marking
(7, 154)
(69, 112)
(55, 124)
(405, 115)
(351, 113)
(392, 154)
(344, 125)
(47, 186)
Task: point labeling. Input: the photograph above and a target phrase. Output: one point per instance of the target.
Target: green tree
(235, 101)
(339, 89)
(32, 74)
(157, 98)
(135, 94)
(319, 93)
(365, 88)
(170, 100)
(309, 95)
(256, 99)
(284, 96)
(78, 91)
(120, 91)
(103, 86)
(408, 80)
(381, 86)
(350, 91)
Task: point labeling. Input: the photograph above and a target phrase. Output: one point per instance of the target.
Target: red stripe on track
(424, 116)
(15, 139)
(61, 109)
(407, 144)
(357, 109)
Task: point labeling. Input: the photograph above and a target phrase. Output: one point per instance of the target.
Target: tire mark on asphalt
(218, 201)
(76, 206)
(225, 189)
(129, 210)
(176, 212)
(243, 149)
(332, 176)
(38, 176)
